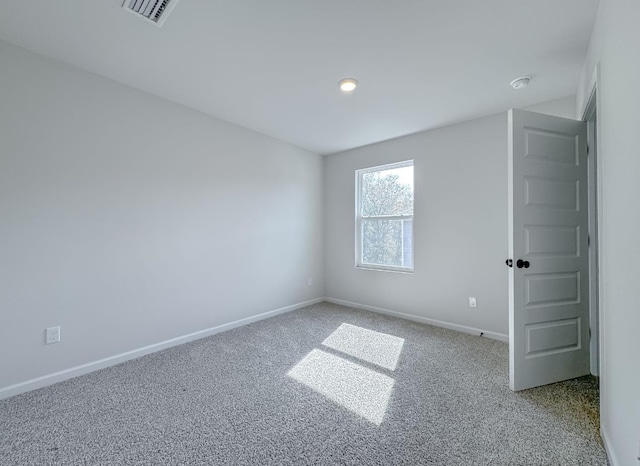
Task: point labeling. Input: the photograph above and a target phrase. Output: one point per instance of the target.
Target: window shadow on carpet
(376, 348)
(353, 386)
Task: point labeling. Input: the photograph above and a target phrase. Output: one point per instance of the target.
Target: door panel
(551, 194)
(551, 289)
(548, 295)
(551, 337)
(541, 241)
(550, 146)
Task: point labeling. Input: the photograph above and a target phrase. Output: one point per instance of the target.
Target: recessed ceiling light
(520, 82)
(348, 84)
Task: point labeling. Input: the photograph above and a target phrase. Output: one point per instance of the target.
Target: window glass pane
(387, 192)
(387, 242)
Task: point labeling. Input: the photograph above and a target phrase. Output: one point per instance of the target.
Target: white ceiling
(273, 65)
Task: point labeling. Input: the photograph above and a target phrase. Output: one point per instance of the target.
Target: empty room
(290, 232)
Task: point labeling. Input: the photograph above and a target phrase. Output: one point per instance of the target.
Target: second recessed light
(348, 84)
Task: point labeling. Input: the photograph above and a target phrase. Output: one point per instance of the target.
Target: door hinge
(587, 149)
(588, 240)
(589, 332)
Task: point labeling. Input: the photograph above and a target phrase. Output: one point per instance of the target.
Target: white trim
(387, 166)
(608, 448)
(76, 371)
(423, 320)
(590, 112)
(585, 108)
(592, 87)
(385, 268)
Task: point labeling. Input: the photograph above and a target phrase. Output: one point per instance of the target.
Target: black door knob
(509, 262)
(520, 264)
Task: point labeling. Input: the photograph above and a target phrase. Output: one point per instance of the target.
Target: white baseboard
(613, 460)
(423, 320)
(76, 371)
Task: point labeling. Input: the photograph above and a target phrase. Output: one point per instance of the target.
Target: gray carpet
(379, 391)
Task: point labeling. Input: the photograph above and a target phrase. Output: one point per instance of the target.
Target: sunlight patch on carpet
(360, 390)
(377, 348)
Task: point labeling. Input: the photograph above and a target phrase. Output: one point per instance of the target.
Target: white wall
(615, 44)
(460, 226)
(564, 107)
(129, 220)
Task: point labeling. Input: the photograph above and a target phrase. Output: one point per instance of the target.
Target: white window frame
(360, 218)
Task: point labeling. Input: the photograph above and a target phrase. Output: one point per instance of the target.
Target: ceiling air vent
(155, 11)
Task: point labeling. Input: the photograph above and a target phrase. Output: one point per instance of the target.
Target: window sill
(385, 269)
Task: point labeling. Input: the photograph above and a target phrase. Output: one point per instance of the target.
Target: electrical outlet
(472, 302)
(310, 281)
(52, 335)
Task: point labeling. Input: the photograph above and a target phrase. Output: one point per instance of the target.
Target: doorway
(590, 335)
(548, 249)
(591, 118)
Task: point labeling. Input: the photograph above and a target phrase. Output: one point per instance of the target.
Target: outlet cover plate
(52, 335)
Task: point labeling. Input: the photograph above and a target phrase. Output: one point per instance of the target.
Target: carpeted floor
(379, 391)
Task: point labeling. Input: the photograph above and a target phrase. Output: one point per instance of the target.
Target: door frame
(591, 116)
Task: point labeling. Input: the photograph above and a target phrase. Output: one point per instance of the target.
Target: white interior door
(548, 222)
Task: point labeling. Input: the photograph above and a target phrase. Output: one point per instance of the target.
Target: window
(384, 217)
